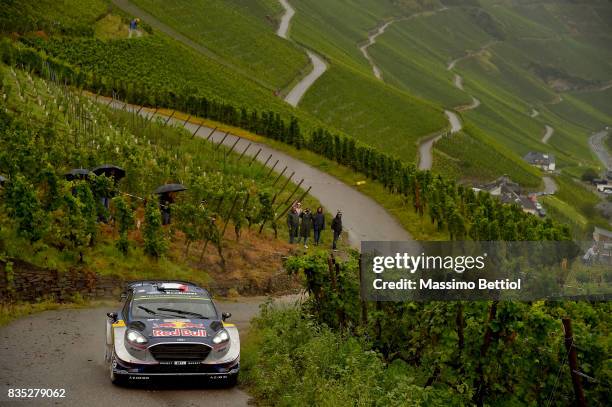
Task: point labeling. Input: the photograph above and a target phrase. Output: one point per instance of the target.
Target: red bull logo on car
(199, 333)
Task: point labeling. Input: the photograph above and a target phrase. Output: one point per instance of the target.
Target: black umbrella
(110, 171)
(167, 188)
(77, 173)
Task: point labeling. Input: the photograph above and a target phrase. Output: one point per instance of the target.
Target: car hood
(177, 330)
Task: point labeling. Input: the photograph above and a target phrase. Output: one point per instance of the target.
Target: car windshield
(173, 307)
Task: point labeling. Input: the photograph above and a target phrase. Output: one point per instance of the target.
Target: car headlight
(221, 336)
(135, 337)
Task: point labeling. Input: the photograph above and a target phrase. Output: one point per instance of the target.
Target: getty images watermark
(524, 271)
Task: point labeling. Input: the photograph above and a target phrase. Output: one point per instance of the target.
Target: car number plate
(180, 363)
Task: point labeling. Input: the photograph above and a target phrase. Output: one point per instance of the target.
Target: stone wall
(31, 283)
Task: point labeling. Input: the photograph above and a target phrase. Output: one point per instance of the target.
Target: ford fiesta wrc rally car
(170, 328)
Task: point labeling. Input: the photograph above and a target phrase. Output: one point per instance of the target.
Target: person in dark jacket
(305, 226)
(293, 224)
(318, 224)
(336, 226)
(165, 200)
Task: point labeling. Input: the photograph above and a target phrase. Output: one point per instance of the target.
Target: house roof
(602, 232)
(537, 158)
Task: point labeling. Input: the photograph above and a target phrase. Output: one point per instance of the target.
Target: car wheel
(114, 378)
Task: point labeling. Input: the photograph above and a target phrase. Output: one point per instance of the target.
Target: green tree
(124, 218)
(88, 208)
(24, 208)
(155, 244)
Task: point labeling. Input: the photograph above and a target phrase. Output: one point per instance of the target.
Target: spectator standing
(165, 200)
(318, 224)
(293, 224)
(336, 226)
(305, 226)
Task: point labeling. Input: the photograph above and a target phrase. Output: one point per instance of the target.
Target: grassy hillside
(348, 95)
(377, 114)
(239, 35)
(514, 57)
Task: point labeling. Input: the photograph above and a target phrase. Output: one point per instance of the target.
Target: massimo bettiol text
(468, 270)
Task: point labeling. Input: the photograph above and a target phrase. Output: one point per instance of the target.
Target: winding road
(363, 218)
(548, 132)
(596, 142)
(371, 41)
(318, 64)
(64, 349)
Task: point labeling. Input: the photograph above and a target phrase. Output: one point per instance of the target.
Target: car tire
(115, 379)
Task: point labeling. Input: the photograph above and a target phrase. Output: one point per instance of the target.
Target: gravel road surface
(65, 350)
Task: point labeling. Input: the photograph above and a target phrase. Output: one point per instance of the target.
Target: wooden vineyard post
(573, 362)
(280, 191)
(170, 117)
(255, 157)
(287, 208)
(272, 169)
(244, 151)
(222, 140)
(196, 131)
(210, 134)
(279, 175)
(227, 219)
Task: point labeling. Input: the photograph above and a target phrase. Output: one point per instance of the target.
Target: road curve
(363, 218)
(64, 349)
(318, 64)
(550, 186)
(371, 41)
(283, 28)
(548, 132)
(596, 142)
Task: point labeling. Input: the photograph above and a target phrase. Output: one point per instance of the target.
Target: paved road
(550, 186)
(363, 218)
(596, 142)
(318, 64)
(426, 146)
(372, 41)
(65, 349)
(548, 132)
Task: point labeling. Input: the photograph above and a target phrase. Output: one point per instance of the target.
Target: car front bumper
(135, 371)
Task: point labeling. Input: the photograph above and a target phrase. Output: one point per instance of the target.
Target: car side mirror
(226, 315)
(112, 316)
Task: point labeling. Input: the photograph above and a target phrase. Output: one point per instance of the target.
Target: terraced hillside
(239, 32)
(516, 58)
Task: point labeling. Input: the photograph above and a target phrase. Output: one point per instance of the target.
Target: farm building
(545, 162)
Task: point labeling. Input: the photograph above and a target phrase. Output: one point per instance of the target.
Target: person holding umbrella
(110, 171)
(167, 196)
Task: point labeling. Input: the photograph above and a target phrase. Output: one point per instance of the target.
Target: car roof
(166, 287)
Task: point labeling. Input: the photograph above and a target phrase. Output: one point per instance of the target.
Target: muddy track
(363, 218)
(319, 66)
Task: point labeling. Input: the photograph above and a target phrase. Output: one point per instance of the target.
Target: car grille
(179, 351)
